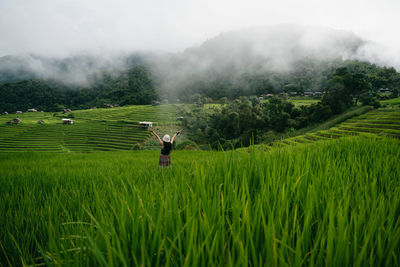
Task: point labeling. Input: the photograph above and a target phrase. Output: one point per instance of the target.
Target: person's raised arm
(158, 138)
(175, 135)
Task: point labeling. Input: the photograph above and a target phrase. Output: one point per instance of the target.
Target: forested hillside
(139, 85)
(133, 86)
(286, 58)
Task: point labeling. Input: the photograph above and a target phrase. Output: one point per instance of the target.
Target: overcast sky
(62, 27)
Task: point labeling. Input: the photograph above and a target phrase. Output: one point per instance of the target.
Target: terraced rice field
(81, 137)
(163, 114)
(93, 130)
(381, 122)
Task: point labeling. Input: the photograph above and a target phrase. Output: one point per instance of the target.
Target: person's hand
(178, 132)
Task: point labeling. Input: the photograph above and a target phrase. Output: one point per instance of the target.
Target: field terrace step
(381, 115)
(371, 130)
(288, 142)
(372, 125)
(301, 139)
(279, 144)
(19, 151)
(319, 136)
(327, 134)
(343, 132)
(312, 137)
(119, 145)
(103, 148)
(29, 141)
(31, 148)
(383, 122)
(28, 145)
(115, 135)
(28, 138)
(110, 144)
(123, 141)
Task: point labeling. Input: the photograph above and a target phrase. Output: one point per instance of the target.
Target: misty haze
(253, 51)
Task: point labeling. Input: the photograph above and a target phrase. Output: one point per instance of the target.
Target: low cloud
(265, 50)
(254, 50)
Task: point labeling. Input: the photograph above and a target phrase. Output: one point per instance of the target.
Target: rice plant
(334, 202)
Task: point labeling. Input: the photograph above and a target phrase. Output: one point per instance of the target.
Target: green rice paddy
(335, 202)
(325, 198)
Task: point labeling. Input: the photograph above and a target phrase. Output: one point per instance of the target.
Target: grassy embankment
(334, 202)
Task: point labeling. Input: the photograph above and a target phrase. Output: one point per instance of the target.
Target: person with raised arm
(166, 147)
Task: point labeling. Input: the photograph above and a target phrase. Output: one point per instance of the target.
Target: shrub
(187, 145)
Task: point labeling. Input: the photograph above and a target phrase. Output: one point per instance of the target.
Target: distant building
(67, 121)
(18, 112)
(180, 118)
(384, 90)
(318, 94)
(308, 93)
(5, 113)
(31, 110)
(270, 95)
(146, 124)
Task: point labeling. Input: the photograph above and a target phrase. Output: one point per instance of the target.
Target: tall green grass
(329, 203)
(393, 101)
